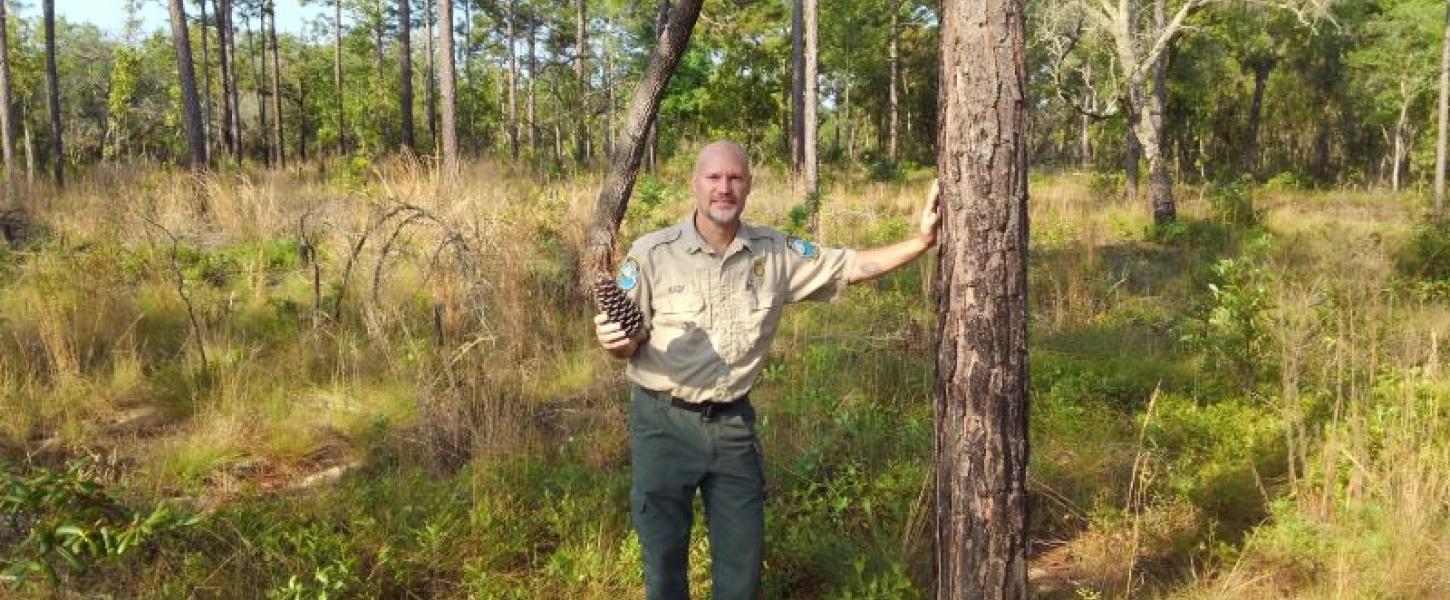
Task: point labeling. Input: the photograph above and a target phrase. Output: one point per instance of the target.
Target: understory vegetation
(370, 383)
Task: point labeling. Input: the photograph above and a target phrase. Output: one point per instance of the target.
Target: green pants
(673, 452)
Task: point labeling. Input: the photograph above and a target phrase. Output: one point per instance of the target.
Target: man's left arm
(865, 265)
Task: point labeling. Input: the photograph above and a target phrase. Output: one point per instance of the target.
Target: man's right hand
(612, 338)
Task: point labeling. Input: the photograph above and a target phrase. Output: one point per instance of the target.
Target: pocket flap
(685, 302)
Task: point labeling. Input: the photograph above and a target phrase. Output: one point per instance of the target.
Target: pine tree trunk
(619, 182)
(337, 77)
(532, 116)
(797, 87)
(405, 74)
(384, 125)
(808, 144)
(445, 62)
(222, 10)
(1442, 137)
(261, 84)
(893, 57)
(430, 97)
(52, 91)
(206, 103)
(190, 106)
(7, 120)
(278, 146)
(981, 445)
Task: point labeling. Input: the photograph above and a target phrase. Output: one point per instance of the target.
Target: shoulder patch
(801, 247)
(628, 275)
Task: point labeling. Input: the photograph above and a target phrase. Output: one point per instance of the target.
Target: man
(711, 289)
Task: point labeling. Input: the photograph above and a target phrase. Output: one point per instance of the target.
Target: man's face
(721, 183)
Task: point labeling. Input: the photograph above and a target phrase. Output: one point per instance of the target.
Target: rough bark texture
(270, 18)
(449, 97)
(190, 107)
(981, 296)
(1441, 140)
(619, 182)
(405, 73)
(797, 86)
(7, 122)
(52, 93)
(809, 163)
(893, 57)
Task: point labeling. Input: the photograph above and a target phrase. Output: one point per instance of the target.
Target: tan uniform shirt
(712, 318)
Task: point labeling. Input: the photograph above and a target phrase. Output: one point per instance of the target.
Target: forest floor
(366, 382)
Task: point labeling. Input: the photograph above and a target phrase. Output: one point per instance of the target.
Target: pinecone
(620, 309)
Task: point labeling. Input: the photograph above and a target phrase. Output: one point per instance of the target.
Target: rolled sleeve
(819, 277)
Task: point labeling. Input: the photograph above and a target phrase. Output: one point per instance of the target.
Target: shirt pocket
(765, 312)
(681, 309)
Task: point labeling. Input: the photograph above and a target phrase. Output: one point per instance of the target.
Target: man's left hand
(930, 216)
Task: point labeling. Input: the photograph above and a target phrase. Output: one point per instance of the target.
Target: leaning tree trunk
(190, 107)
(52, 90)
(981, 297)
(619, 182)
(1444, 131)
(446, 85)
(7, 122)
(405, 73)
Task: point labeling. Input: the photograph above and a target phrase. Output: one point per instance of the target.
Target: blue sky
(111, 14)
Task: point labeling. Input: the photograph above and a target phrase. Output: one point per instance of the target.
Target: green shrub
(1232, 203)
(1288, 180)
(1232, 329)
(1426, 256)
(1105, 185)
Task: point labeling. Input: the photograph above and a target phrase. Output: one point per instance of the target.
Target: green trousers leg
(675, 452)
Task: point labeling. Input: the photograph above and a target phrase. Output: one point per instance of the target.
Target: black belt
(706, 409)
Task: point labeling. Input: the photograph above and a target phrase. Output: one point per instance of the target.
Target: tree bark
(7, 120)
(52, 90)
(190, 106)
(261, 73)
(279, 147)
(1442, 137)
(337, 77)
(893, 58)
(532, 116)
(206, 103)
(450, 100)
(1401, 144)
(981, 445)
(222, 15)
(797, 87)
(581, 49)
(619, 182)
(808, 153)
(1160, 182)
(1250, 157)
(430, 98)
(405, 74)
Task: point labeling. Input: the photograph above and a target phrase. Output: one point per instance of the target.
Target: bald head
(721, 182)
(722, 150)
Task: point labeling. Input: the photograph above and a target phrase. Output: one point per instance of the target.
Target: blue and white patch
(803, 248)
(628, 275)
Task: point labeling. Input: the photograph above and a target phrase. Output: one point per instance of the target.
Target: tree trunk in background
(430, 97)
(278, 146)
(1132, 152)
(337, 77)
(619, 182)
(380, 74)
(893, 106)
(7, 120)
(52, 91)
(1250, 157)
(662, 17)
(1441, 136)
(1160, 182)
(1401, 145)
(513, 78)
(405, 74)
(813, 197)
(797, 87)
(581, 49)
(222, 10)
(261, 74)
(29, 149)
(608, 81)
(206, 103)
(450, 100)
(531, 116)
(190, 105)
(981, 302)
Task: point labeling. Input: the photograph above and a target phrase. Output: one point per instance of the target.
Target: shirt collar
(694, 243)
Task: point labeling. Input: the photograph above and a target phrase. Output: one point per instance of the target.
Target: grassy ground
(368, 383)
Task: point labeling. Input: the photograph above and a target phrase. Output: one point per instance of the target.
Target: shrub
(1232, 203)
(1426, 256)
